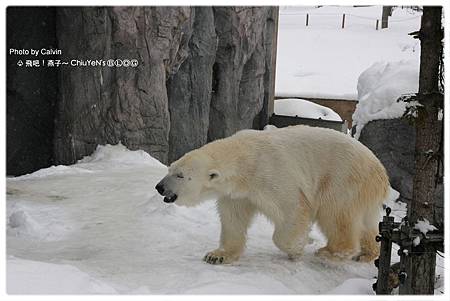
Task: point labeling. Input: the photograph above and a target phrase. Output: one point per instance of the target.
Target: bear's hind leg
(343, 233)
(235, 218)
(291, 234)
(370, 249)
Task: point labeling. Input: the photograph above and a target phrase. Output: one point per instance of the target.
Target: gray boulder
(393, 142)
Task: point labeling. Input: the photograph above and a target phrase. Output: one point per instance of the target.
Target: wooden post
(378, 21)
(343, 20)
(387, 11)
(307, 19)
(405, 261)
(384, 261)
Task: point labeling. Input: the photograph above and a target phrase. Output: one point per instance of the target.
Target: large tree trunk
(421, 268)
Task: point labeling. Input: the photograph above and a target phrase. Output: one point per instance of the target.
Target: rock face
(238, 78)
(393, 142)
(31, 91)
(200, 77)
(189, 90)
(99, 105)
(203, 73)
(221, 86)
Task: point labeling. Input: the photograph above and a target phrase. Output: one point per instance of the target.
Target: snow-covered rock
(380, 87)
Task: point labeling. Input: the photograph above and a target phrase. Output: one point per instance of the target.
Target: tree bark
(421, 268)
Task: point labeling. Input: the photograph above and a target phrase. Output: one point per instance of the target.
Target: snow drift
(379, 90)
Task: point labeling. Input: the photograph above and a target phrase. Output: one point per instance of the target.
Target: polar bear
(294, 176)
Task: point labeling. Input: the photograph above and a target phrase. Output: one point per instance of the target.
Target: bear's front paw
(219, 257)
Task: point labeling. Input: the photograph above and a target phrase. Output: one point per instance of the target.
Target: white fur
(294, 176)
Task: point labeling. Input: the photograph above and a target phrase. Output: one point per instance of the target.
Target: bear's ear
(214, 174)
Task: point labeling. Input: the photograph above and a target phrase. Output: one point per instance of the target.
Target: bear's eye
(180, 176)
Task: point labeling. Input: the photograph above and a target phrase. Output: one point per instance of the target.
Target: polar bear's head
(191, 180)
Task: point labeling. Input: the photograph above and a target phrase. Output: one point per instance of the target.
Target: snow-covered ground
(100, 227)
(305, 109)
(323, 60)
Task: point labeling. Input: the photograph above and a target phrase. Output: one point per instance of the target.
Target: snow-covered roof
(305, 109)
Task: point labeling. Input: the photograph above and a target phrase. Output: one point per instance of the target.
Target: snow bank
(33, 277)
(379, 88)
(305, 109)
(112, 155)
(120, 154)
(58, 170)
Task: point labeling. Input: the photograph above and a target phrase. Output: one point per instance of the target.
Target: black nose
(160, 188)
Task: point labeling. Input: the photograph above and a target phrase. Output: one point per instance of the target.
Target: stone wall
(200, 78)
(203, 74)
(99, 105)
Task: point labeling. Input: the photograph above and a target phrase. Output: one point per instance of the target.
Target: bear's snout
(160, 188)
(169, 196)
